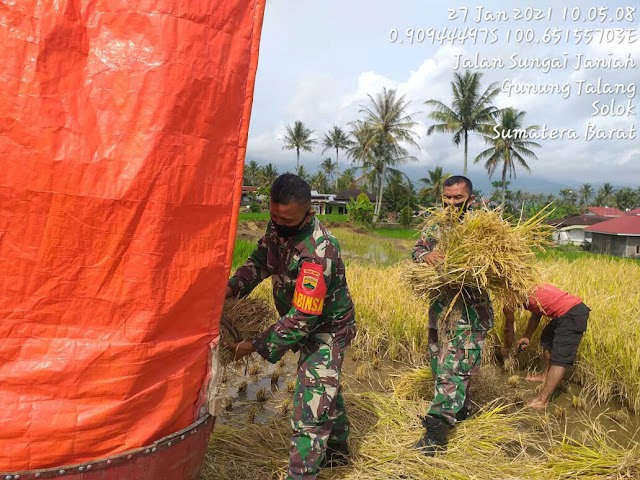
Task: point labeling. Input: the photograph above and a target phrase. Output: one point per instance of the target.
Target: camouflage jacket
(309, 289)
(475, 307)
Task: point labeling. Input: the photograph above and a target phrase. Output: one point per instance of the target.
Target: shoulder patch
(311, 289)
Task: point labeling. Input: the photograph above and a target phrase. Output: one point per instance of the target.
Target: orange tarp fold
(123, 129)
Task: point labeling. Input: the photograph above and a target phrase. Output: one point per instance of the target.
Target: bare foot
(536, 404)
(536, 378)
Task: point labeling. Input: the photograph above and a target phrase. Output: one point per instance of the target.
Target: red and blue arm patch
(311, 289)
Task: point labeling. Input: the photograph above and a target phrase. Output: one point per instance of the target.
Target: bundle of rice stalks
(416, 383)
(482, 252)
(243, 319)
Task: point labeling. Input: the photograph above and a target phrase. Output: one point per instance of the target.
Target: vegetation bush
(361, 210)
(406, 216)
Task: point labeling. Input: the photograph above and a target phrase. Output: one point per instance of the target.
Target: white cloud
(322, 94)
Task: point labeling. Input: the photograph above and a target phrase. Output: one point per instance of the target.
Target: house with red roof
(635, 211)
(619, 236)
(571, 230)
(605, 211)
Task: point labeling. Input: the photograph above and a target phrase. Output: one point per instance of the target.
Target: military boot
(435, 438)
(337, 455)
(465, 412)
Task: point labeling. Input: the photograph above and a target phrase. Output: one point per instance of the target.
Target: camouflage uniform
(318, 418)
(456, 356)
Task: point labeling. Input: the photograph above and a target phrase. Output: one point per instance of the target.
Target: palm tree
(519, 198)
(586, 192)
(510, 147)
(251, 173)
(337, 139)
(469, 112)
(605, 195)
(319, 182)
(400, 192)
(379, 136)
(267, 175)
(302, 172)
(376, 172)
(568, 196)
(328, 168)
(298, 138)
(345, 180)
(625, 199)
(500, 190)
(435, 182)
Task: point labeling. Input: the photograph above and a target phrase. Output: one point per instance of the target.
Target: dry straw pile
(499, 442)
(482, 252)
(243, 319)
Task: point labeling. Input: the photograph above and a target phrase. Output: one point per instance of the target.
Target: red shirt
(551, 301)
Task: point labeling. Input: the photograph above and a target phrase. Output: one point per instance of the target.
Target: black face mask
(460, 208)
(286, 231)
(463, 207)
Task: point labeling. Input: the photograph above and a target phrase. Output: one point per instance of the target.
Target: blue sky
(319, 60)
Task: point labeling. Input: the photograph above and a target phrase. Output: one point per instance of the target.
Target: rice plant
(262, 395)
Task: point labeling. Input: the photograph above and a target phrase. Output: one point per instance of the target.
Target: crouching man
(560, 339)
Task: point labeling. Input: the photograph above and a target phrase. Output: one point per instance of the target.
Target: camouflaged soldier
(317, 319)
(454, 353)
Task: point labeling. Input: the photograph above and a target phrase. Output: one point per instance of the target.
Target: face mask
(459, 208)
(463, 207)
(286, 231)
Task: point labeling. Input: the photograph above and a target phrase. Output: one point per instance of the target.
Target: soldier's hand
(523, 343)
(240, 350)
(433, 258)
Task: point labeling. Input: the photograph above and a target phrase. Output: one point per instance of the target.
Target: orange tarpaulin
(123, 127)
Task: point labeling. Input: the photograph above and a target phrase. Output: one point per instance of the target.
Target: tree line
(376, 145)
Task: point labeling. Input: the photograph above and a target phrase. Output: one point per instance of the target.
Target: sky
(319, 61)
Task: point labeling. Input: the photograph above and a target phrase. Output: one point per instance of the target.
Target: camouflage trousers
(453, 364)
(319, 417)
